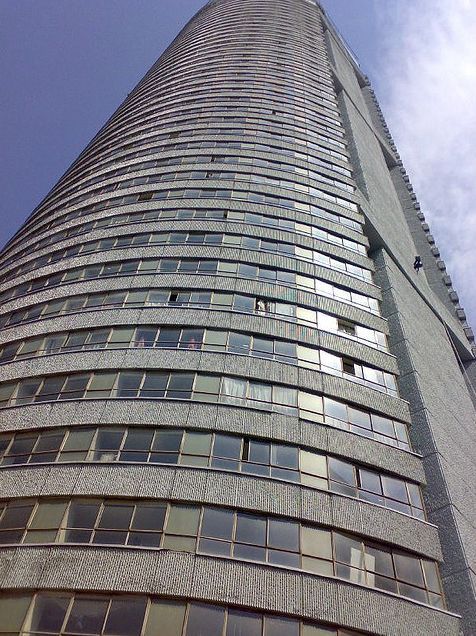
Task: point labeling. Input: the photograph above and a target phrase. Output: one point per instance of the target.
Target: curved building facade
(213, 420)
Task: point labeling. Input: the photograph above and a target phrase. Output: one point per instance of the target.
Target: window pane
(275, 626)
(217, 523)
(87, 615)
(283, 534)
(316, 542)
(101, 385)
(12, 612)
(204, 620)
(243, 623)
(251, 529)
(183, 520)
(82, 514)
(48, 515)
(379, 561)
(370, 481)
(168, 338)
(197, 443)
(313, 464)
(335, 409)
(408, 569)
(431, 576)
(180, 385)
(341, 471)
(16, 515)
(149, 517)
(165, 618)
(234, 387)
(154, 385)
(138, 439)
(314, 630)
(359, 418)
(128, 383)
(394, 488)
(206, 387)
(167, 441)
(116, 516)
(227, 446)
(284, 456)
(125, 617)
(48, 613)
(74, 387)
(348, 550)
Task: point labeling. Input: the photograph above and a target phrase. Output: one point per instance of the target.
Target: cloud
(427, 90)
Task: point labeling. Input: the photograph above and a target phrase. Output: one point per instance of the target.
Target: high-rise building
(224, 384)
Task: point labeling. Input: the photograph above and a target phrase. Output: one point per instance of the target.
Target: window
(135, 615)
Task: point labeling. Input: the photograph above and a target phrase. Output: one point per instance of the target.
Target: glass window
(48, 613)
(359, 418)
(277, 626)
(76, 445)
(74, 387)
(341, 471)
(138, 439)
(283, 534)
(383, 425)
(30, 347)
(370, 481)
(154, 385)
(227, 446)
(50, 388)
(239, 343)
(13, 610)
(128, 383)
(284, 456)
(168, 338)
(215, 340)
(394, 488)
(408, 569)
(120, 337)
(206, 387)
(348, 550)
(313, 463)
(197, 443)
(335, 409)
(180, 385)
(217, 523)
(205, 620)
(167, 441)
(250, 529)
(260, 393)
(87, 615)
(125, 617)
(26, 391)
(165, 618)
(183, 520)
(242, 623)
(316, 542)
(191, 339)
(101, 385)
(47, 517)
(80, 520)
(310, 405)
(234, 387)
(379, 561)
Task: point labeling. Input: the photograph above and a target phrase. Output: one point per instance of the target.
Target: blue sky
(66, 66)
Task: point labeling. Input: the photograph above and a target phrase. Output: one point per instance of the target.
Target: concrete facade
(229, 263)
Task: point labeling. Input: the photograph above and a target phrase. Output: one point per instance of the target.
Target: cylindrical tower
(201, 427)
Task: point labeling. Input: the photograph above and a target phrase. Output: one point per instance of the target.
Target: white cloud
(427, 87)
